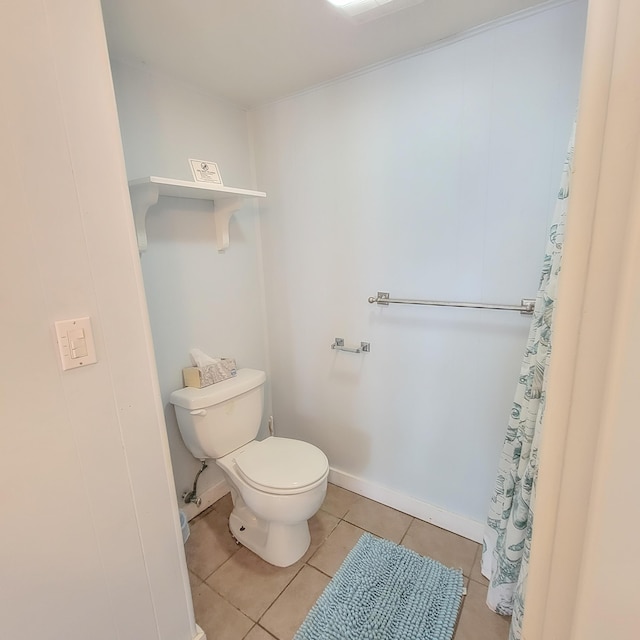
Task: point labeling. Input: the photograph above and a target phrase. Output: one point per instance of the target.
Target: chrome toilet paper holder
(338, 345)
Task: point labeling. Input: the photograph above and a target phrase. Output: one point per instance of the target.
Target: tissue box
(199, 377)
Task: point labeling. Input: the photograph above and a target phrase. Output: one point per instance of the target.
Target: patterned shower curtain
(507, 538)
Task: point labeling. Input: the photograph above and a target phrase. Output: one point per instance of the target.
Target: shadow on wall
(190, 222)
(181, 458)
(488, 322)
(350, 450)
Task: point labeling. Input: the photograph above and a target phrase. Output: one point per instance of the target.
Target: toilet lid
(283, 463)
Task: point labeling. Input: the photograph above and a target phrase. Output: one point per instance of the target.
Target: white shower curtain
(507, 538)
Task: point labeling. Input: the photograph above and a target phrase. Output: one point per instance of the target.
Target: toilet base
(276, 543)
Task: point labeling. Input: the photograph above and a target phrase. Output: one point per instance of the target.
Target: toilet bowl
(276, 484)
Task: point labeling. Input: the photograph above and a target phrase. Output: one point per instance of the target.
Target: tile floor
(237, 596)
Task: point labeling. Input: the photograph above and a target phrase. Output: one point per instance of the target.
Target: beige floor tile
(320, 527)
(200, 516)
(250, 583)
(338, 500)
(477, 621)
(287, 613)
(332, 553)
(466, 586)
(258, 633)
(217, 617)
(475, 570)
(378, 519)
(443, 546)
(194, 581)
(224, 506)
(209, 545)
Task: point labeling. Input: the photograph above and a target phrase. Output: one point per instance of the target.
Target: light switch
(75, 343)
(79, 351)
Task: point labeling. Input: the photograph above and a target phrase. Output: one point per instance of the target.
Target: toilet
(277, 484)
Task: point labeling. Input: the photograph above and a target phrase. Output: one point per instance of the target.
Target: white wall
(197, 296)
(90, 540)
(432, 177)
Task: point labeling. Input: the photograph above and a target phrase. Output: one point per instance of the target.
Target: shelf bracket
(143, 197)
(145, 193)
(222, 212)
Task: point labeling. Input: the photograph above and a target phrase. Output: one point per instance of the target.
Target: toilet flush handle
(198, 412)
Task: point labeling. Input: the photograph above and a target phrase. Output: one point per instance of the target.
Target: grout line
(482, 584)
(229, 603)
(261, 628)
(264, 613)
(246, 635)
(319, 571)
(195, 575)
(404, 535)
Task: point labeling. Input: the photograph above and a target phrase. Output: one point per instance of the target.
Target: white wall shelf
(226, 201)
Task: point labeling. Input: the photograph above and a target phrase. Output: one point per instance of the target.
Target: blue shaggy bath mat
(384, 591)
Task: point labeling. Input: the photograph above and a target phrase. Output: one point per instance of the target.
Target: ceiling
(254, 51)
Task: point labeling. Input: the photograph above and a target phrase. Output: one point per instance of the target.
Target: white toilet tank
(220, 418)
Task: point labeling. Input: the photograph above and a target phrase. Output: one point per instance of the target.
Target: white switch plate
(75, 343)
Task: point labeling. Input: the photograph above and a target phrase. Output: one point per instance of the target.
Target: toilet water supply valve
(192, 496)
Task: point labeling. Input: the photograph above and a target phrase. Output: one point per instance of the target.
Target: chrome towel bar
(525, 307)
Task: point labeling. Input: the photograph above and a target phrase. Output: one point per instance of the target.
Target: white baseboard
(208, 497)
(453, 522)
(200, 634)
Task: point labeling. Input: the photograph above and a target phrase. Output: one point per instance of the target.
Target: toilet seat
(282, 466)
